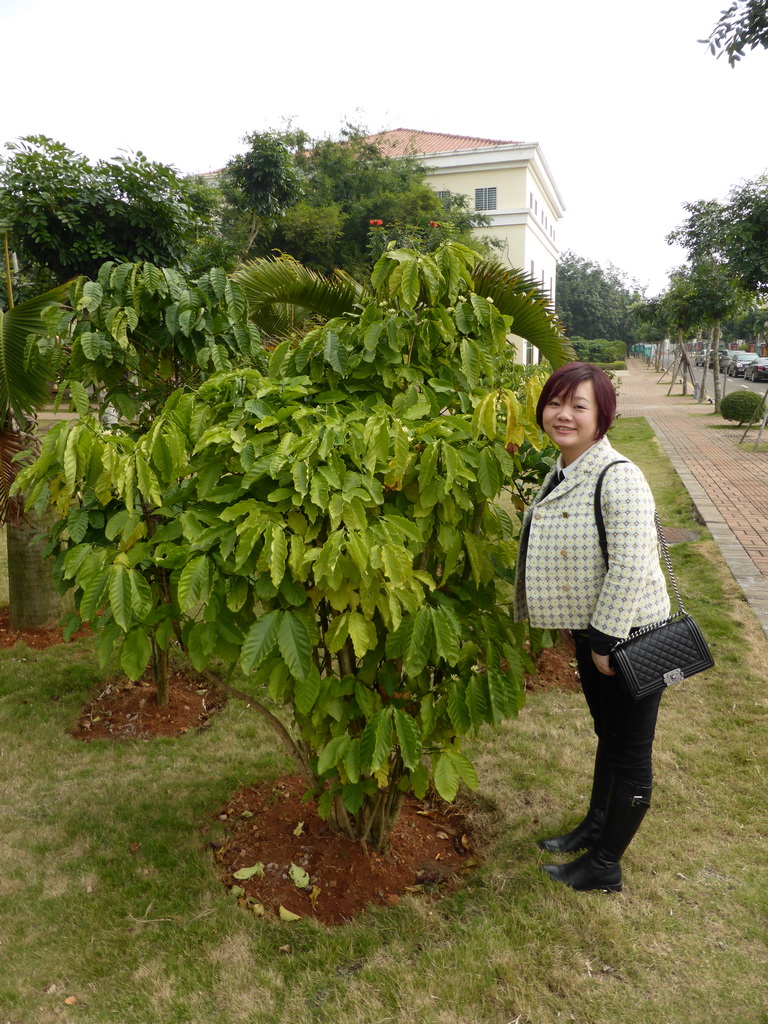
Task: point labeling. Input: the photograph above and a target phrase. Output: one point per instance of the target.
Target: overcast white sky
(633, 115)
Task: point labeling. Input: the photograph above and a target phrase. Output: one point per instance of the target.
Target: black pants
(625, 727)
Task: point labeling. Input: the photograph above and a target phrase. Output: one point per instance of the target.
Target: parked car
(758, 370)
(700, 358)
(739, 362)
(725, 357)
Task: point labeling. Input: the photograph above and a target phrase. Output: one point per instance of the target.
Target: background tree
(335, 204)
(67, 215)
(743, 24)
(261, 184)
(593, 302)
(734, 232)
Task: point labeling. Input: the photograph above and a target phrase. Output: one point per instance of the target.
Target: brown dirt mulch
(128, 711)
(431, 849)
(35, 639)
(555, 670)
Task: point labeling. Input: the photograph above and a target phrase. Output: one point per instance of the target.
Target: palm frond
(24, 384)
(283, 294)
(518, 295)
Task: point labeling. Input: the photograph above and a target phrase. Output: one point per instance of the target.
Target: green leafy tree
(344, 190)
(67, 215)
(734, 232)
(333, 526)
(132, 338)
(593, 302)
(261, 184)
(743, 24)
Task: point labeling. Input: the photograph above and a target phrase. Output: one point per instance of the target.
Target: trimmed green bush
(742, 406)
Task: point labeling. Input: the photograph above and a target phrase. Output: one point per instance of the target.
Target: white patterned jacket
(561, 580)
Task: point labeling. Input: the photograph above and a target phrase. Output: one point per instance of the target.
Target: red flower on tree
(434, 224)
(376, 223)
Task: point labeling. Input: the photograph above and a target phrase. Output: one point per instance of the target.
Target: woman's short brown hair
(564, 382)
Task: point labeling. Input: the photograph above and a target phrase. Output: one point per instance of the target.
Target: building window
(485, 198)
(445, 197)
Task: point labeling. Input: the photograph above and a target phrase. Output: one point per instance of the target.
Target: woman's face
(572, 422)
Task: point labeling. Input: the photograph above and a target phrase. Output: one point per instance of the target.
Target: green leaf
(352, 760)
(333, 752)
(93, 594)
(420, 645)
(419, 779)
(80, 398)
(362, 633)
(446, 776)
(334, 353)
(141, 595)
(120, 598)
(278, 555)
(91, 296)
(489, 474)
(288, 915)
(353, 795)
(260, 640)
(457, 709)
(465, 768)
(446, 635)
(410, 285)
(307, 690)
(244, 873)
(428, 465)
(477, 702)
(135, 654)
(194, 583)
(376, 740)
(408, 738)
(293, 641)
(298, 876)
(470, 362)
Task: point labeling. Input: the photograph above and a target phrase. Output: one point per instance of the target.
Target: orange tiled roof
(407, 141)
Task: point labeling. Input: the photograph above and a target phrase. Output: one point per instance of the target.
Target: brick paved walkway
(727, 481)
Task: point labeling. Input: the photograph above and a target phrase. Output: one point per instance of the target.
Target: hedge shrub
(742, 406)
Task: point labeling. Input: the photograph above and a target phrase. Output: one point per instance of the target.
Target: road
(727, 384)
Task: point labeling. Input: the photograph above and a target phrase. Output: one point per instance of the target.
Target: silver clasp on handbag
(675, 675)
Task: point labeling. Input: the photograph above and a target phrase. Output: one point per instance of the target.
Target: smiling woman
(563, 582)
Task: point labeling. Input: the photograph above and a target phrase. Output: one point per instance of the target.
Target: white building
(509, 182)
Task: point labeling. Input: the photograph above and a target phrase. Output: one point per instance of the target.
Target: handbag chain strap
(659, 532)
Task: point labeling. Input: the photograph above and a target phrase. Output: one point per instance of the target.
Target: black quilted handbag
(656, 656)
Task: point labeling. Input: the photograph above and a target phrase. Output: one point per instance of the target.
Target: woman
(563, 583)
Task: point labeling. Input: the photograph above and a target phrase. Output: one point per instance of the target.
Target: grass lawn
(109, 895)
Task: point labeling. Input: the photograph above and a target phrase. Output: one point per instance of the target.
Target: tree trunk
(160, 673)
(716, 362)
(33, 601)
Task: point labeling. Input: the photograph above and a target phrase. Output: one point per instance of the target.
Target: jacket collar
(593, 458)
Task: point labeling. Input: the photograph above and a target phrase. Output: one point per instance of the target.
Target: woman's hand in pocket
(602, 664)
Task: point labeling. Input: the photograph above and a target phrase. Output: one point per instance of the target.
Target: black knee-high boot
(586, 832)
(600, 867)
